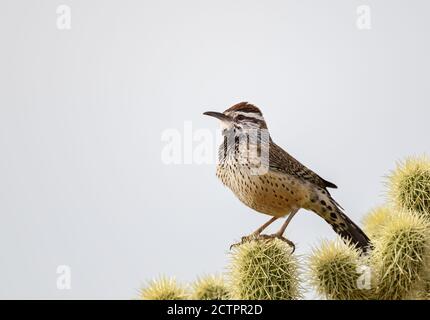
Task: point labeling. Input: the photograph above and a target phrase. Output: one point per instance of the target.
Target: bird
(266, 178)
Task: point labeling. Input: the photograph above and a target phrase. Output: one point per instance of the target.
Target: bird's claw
(278, 236)
(255, 236)
(244, 239)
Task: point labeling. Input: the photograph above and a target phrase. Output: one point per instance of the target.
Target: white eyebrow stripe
(250, 115)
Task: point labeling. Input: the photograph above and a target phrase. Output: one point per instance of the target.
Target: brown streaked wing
(280, 160)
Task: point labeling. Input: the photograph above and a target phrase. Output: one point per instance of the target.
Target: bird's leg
(280, 233)
(256, 233)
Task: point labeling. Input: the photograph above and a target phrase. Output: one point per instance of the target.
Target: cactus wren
(271, 181)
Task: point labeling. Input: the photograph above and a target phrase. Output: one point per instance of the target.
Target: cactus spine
(210, 288)
(335, 271)
(409, 185)
(163, 289)
(264, 270)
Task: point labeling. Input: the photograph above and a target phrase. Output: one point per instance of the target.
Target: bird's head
(241, 116)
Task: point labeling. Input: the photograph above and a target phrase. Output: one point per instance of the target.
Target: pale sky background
(82, 112)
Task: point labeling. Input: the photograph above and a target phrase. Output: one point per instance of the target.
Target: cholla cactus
(376, 219)
(398, 266)
(210, 288)
(336, 271)
(163, 289)
(264, 270)
(409, 185)
(400, 255)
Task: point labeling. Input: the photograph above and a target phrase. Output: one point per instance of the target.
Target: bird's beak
(218, 115)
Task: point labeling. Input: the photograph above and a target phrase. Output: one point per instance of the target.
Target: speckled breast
(272, 193)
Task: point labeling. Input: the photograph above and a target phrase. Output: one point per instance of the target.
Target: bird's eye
(240, 117)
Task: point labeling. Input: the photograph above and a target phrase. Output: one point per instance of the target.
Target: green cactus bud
(336, 272)
(375, 220)
(210, 288)
(400, 255)
(409, 185)
(163, 289)
(264, 269)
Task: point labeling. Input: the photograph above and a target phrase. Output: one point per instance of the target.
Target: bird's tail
(331, 212)
(349, 231)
